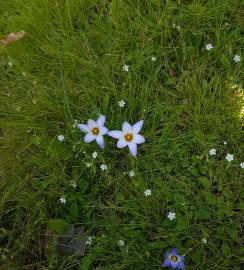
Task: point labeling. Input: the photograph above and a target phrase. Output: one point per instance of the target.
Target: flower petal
(174, 251)
(138, 126)
(181, 266)
(103, 131)
(117, 134)
(101, 120)
(89, 137)
(133, 149)
(166, 263)
(138, 139)
(121, 143)
(91, 123)
(100, 141)
(83, 127)
(127, 128)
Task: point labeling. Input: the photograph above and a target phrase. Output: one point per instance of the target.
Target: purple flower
(174, 260)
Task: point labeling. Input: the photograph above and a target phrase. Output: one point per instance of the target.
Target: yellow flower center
(174, 258)
(95, 131)
(128, 137)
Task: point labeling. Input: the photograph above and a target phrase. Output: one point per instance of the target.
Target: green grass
(191, 100)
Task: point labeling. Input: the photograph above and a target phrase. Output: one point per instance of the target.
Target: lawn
(176, 65)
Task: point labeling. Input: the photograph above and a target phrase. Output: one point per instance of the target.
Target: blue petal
(174, 251)
(167, 263)
(182, 266)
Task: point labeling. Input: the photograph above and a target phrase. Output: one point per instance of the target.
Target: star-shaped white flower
(122, 103)
(229, 157)
(61, 138)
(242, 165)
(103, 167)
(131, 174)
(212, 152)
(148, 192)
(204, 240)
(89, 240)
(237, 58)
(121, 243)
(129, 136)
(153, 58)
(171, 215)
(62, 200)
(125, 68)
(225, 142)
(95, 130)
(209, 47)
(94, 155)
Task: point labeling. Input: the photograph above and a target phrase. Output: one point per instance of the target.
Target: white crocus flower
(237, 58)
(212, 152)
(129, 136)
(103, 167)
(209, 47)
(171, 215)
(61, 138)
(121, 243)
(131, 174)
(229, 157)
(94, 155)
(122, 103)
(62, 200)
(125, 68)
(148, 192)
(95, 130)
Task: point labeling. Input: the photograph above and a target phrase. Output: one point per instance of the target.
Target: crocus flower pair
(174, 260)
(128, 136)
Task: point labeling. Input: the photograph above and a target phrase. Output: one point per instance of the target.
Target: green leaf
(201, 214)
(182, 223)
(58, 225)
(74, 210)
(159, 244)
(105, 103)
(226, 249)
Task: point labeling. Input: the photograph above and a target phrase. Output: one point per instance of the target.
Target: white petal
(137, 127)
(117, 134)
(83, 127)
(101, 120)
(91, 123)
(127, 128)
(100, 141)
(103, 131)
(138, 139)
(133, 149)
(121, 143)
(89, 137)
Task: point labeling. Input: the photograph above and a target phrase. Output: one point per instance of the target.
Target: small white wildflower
(171, 215)
(61, 138)
(226, 24)
(237, 58)
(89, 240)
(23, 73)
(173, 25)
(84, 152)
(229, 157)
(153, 58)
(225, 142)
(122, 103)
(88, 164)
(103, 167)
(204, 240)
(131, 174)
(178, 28)
(148, 192)
(62, 200)
(125, 68)
(18, 108)
(10, 64)
(209, 47)
(242, 165)
(212, 152)
(73, 184)
(94, 155)
(121, 243)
